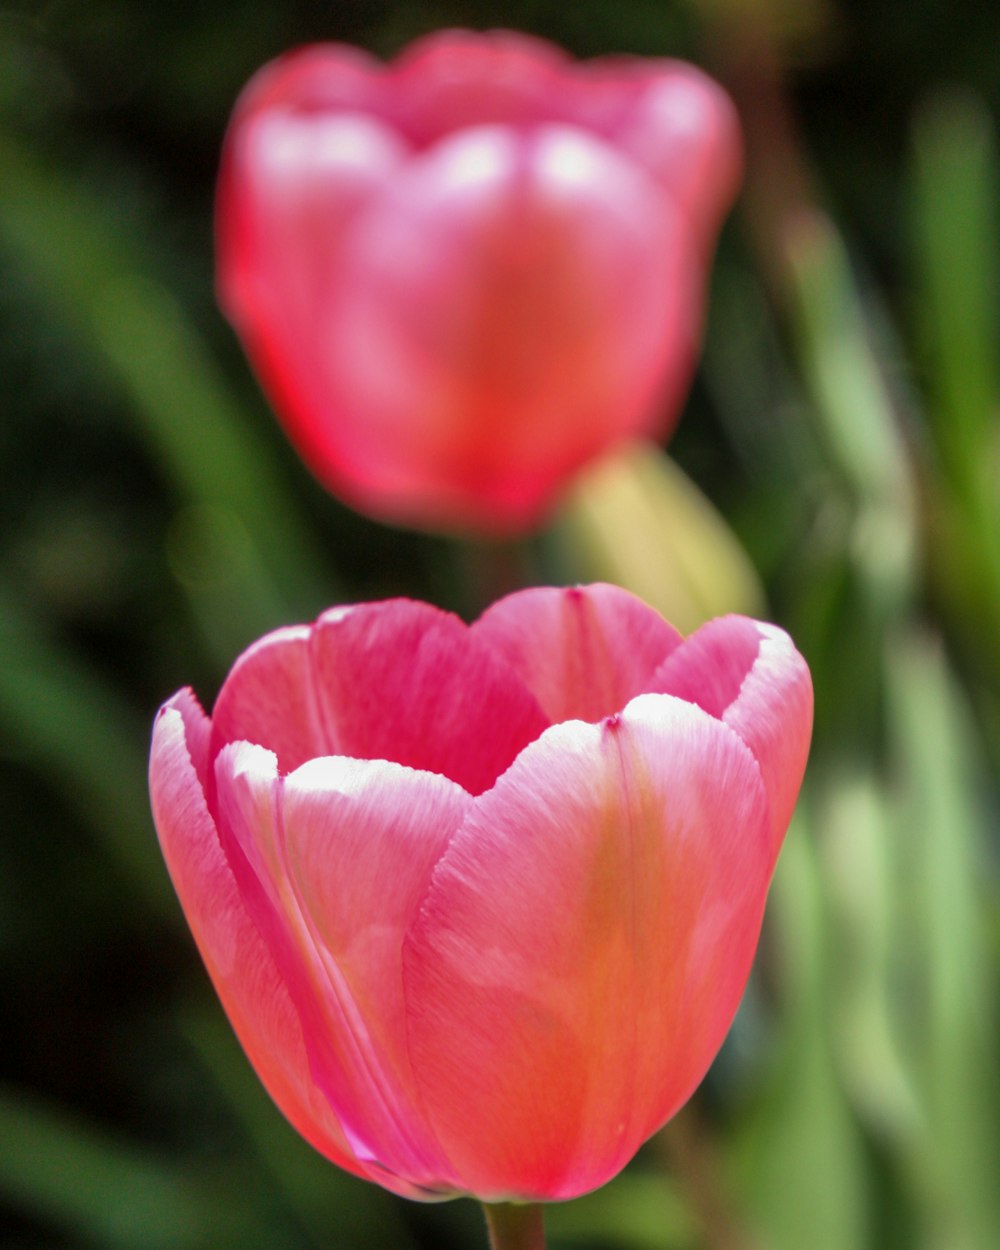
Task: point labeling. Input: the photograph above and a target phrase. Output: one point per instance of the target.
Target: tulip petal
(537, 283)
(313, 79)
(398, 681)
(292, 183)
(683, 129)
(749, 675)
(584, 945)
(301, 179)
(269, 698)
(455, 79)
(406, 682)
(362, 839)
(583, 651)
(246, 978)
(344, 850)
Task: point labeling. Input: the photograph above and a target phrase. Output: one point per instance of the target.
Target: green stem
(514, 1227)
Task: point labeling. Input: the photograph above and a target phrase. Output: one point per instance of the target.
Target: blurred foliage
(845, 425)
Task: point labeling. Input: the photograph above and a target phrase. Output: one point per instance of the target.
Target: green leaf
(951, 1013)
(860, 856)
(956, 217)
(836, 355)
(797, 1155)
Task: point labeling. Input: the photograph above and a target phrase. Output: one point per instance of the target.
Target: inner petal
(398, 681)
(269, 699)
(406, 682)
(710, 667)
(583, 651)
(458, 79)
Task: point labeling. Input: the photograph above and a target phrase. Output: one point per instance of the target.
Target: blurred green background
(844, 422)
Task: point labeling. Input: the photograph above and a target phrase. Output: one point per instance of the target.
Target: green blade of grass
(950, 1016)
(835, 352)
(956, 219)
(78, 732)
(797, 1154)
(855, 409)
(98, 282)
(859, 861)
(956, 211)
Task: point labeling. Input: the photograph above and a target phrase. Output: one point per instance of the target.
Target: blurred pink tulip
(481, 902)
(462, 275)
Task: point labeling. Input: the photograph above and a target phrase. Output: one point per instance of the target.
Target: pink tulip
(462, 275)
(480, 902)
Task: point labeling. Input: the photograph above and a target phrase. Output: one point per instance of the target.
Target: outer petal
(584, 651)
(269, 698)
(397, 681)
(344, 850)
(514, 303)
(454, 79)
(584, 946)
(293, 180)
(240, 963)
(317, 78)
(749, 675)
(683, 129)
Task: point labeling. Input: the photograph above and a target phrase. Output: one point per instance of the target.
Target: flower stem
(514, 1227)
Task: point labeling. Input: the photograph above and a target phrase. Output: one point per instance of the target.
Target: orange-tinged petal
(584, 946)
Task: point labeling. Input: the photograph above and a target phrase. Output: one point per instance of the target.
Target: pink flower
(462, 275)
(480, 902)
